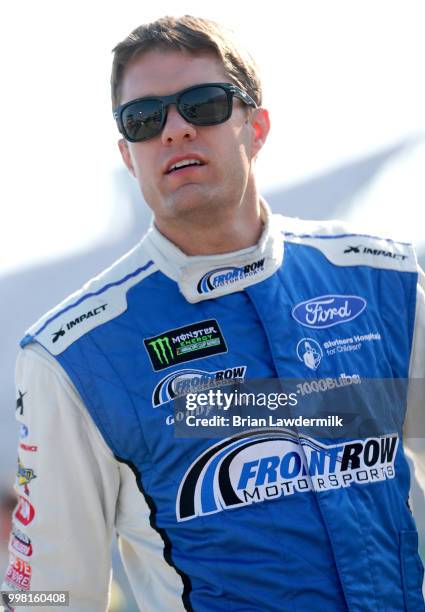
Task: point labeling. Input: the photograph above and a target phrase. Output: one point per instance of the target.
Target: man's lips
(186, 170)
(194, 157)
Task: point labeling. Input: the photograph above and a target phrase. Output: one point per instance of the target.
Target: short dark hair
(192, 35)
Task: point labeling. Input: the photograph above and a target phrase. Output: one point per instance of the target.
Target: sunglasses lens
(201, 105)
(205, 105)
(142, 120)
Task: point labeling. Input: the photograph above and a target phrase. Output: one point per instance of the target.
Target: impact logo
(368, 251)
(91, 313)
(256, 467)
(328, 310)
(191, 381)
(222, 277)
(310, 353)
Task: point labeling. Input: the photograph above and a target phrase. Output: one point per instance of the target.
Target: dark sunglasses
(205, 104)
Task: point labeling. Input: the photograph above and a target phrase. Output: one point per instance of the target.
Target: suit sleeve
(67, 486)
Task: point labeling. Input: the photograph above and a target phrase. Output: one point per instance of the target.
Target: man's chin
(191, 199)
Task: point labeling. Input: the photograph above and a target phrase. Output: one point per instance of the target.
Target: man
(219, 289)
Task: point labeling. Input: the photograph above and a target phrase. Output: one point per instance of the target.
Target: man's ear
(260, 123)
(125, 154)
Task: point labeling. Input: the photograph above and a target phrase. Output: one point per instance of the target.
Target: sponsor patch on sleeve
(18, 574)
(24, 512)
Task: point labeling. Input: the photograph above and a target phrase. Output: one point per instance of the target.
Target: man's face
(226, 150)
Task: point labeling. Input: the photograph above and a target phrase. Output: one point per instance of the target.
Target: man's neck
(239, 229)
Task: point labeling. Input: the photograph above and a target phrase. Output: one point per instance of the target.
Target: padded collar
(203, 277)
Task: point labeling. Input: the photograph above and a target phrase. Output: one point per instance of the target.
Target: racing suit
(242, 522)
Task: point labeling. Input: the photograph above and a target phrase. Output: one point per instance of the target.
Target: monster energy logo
(194, 341)
(162, 349)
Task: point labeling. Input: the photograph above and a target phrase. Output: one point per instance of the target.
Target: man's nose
(176, 128)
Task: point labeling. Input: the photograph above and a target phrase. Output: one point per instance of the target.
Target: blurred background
(346, 99)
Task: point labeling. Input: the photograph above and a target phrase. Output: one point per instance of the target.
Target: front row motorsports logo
(181, 382)
(223, 277)
(269, 465)
(183, 344)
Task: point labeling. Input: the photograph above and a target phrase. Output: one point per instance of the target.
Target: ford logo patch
(328, 310)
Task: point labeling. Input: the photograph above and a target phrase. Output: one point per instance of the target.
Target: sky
(342, 79)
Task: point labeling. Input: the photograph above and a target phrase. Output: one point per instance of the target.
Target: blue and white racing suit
(245, 522)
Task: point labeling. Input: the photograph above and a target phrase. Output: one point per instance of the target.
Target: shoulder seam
(351, 235)
(92, 294)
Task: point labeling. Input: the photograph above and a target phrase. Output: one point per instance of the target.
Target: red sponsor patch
(18, 574)
(25, 548)
(25, 512)
(28, 447)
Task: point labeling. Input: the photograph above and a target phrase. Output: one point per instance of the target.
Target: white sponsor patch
(358, 250)
(101, 300)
